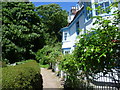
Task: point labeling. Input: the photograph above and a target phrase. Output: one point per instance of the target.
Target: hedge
(22, 62)
(24, 76)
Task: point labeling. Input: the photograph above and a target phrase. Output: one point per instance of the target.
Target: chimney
(73, 10)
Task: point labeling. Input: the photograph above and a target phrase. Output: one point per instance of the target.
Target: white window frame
(88, 12)
(104, 6)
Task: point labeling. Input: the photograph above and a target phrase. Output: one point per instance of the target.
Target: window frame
(65, 36)
(104, 7)
(68, 51)
(89, 13)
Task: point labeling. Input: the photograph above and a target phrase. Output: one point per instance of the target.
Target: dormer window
(65, 36)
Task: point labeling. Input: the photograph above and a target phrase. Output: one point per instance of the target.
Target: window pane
(77, 24)
(101, 5)
(65, 36)
(67, 52)
(77, 28)
(96, 5)
(107, 10)
(106, 4)
(96, 12)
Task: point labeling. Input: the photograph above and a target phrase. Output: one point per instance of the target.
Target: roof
(77, 14)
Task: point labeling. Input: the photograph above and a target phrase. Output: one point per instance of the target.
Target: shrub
(3, 64)
(22, 62)
(48, 54)
(23, 76)
(74, 79)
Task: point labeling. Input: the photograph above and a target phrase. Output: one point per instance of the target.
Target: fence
(109, 81)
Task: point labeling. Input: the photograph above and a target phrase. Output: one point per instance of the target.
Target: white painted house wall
(84, 25)
(71, 37)
(68, 44)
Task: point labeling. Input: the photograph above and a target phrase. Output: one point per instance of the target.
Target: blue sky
(65, 5)
(54, 0)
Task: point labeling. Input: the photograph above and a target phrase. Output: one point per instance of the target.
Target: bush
(3, 64)
(22, 62)
(74, 79)
(23, 76)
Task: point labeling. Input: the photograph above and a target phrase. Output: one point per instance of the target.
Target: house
(80, 18)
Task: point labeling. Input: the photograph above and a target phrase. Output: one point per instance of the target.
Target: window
(100, 0)
(65, 36)
(77, 28)
(67, 52)
(88, 12)
(104, 8)
(96, 5)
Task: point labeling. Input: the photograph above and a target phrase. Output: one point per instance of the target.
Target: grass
(44, 66)
(0, 76)
(22, 62)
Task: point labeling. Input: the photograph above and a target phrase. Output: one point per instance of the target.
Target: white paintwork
(70, 18)
(83, 25)
(86, 25)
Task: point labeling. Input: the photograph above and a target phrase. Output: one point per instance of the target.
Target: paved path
(50, 80)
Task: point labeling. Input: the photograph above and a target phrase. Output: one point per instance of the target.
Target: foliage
(48, 54)
(54, 18)
(22, 62)
(22, 34)
(42, 54)
(25, 31)
(96, 51)
(68, 61)
(70, 67)
(44, 66)
(23, 76)
(74, 77)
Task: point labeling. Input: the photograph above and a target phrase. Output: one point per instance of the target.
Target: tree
(48, 54)
(54, 18)
(27, 29)
(21, 31)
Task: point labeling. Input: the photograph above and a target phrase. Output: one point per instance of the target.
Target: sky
(54, 0)
(65, 5)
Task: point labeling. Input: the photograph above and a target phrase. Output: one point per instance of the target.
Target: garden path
(50, 80)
